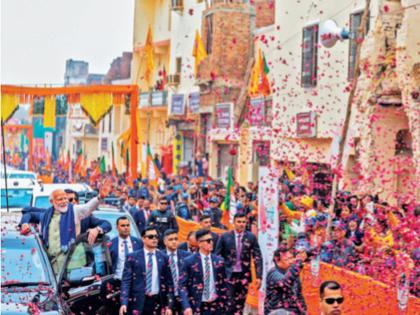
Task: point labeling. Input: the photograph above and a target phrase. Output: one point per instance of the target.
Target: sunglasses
(71, 199)
(164, 203)
(210, 240)
(150, 237)
(331, 301)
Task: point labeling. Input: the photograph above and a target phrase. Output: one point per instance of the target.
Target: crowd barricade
(363, 295)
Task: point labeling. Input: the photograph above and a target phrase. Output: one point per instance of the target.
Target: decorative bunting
(49, 112)
(96, 105)
(9, 104)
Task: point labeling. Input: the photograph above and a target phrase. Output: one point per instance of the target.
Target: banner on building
(306, 125)
(177, 104)
(257, 111)
(177, 151)
(194, 102)
(268, 219)
(224, 117)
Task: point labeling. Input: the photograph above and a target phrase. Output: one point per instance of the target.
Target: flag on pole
(102, 168)
(258, 83)
(228, 206)
(153, 172)
(127, 165)
(148, 54)
(78, 165)
(199, 53)
(114, 168)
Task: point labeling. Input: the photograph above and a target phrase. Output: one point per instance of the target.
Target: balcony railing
(153, 99)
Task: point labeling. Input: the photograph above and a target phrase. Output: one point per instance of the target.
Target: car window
(42, 202)
(29, 176)
(112, 217)
(86, 256)
(22, 261)
(18, 198)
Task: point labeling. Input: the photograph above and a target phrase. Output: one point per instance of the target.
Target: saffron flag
(49, 112)
(258, 83)
(9, 104)
(228, 205)
(153, 172)
(148, 54)
(199, 53)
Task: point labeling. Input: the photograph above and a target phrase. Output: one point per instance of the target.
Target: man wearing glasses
(202, 282)
(162, 219)
(331, 298)
(147, 285)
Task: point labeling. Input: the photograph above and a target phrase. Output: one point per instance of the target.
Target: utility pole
(344, 133)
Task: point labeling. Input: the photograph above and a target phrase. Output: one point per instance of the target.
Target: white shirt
(155, 274)
(213, 294)
(121, 255)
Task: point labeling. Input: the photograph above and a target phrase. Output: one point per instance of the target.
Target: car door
(85, 274)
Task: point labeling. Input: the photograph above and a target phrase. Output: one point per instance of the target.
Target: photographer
(283, 287)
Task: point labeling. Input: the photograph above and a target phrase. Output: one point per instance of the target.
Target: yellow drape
(148, 53)
(96, 105)
(9, 104)
(49, 112)
(255, 75)
(199, 53)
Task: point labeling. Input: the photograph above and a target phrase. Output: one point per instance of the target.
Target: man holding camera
(283, 286)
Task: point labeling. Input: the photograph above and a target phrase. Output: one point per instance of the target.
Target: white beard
(61, 209)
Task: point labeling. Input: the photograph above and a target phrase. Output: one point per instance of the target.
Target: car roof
(47, 189)
(13, 183)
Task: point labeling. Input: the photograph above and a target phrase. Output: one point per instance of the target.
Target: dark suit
(113, 249)
(181, 256)
(133, 284)
(239, 281)
(191, 284)
(91, 222)
(140, 220)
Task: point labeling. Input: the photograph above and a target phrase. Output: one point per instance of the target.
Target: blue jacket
(191, 282)
(226, 248)
(113, 249)
(133, 283)
(140, 220)
(33, 215)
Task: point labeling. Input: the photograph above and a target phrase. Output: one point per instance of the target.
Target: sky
(38, 36)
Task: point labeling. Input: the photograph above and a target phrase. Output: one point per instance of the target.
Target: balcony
(153, 99)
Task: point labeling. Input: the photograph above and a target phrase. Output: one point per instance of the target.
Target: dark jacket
(191, 282)
(284, 290)
(184, 246)
(162, 221)
(140, 220)
(133, 283)
(226, 248)
(113, 249)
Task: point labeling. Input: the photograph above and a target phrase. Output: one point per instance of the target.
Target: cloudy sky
(38, 36)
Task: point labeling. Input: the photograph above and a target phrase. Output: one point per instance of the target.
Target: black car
(30, 286)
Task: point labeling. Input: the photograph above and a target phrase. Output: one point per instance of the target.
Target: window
(309, 56)
(260, 111)
(209, 38)
(355, 20)
(178, 64)
(404, 143)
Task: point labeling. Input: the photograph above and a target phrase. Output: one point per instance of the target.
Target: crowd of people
(210, 273)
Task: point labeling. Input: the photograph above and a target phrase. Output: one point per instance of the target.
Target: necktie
(125, 248)
(206, 292)
(174, 273)
(238, 253)
(149, 273)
